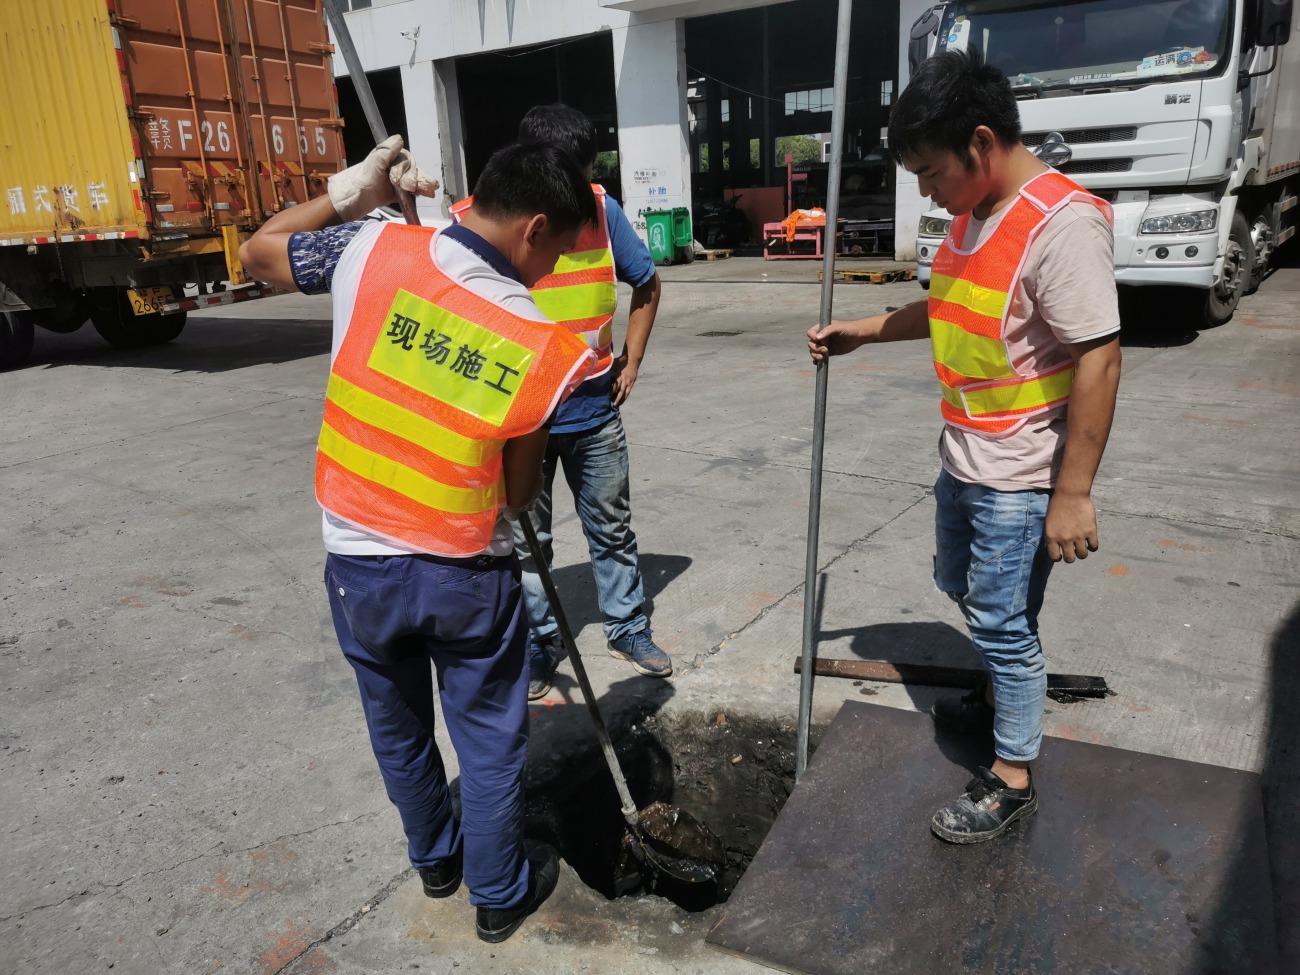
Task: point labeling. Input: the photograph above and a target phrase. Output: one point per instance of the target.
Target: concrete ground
(188, 782)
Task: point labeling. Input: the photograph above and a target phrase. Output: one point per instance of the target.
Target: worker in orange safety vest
(443, 379)
(1024, 325)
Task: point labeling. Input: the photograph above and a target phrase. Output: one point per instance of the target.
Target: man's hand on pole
(837, 338)
(370, 183)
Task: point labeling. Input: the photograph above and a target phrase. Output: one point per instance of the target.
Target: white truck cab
(1183, 114)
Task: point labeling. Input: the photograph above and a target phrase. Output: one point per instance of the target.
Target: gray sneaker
(544, 657)
(640, 650)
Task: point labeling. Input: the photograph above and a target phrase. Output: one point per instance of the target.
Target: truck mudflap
(222, 298)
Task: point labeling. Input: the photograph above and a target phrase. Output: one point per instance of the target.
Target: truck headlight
(1182, 223)
(933, 226)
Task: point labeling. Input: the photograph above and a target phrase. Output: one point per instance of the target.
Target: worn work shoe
(640, 649)
(543, 657)
(985, 811)
(970, 713)
(444, 879)
(494, 924)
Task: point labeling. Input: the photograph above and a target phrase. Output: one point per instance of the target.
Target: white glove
(369, 184)
(514, 514)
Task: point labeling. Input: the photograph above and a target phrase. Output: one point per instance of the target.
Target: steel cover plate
(1134, 863)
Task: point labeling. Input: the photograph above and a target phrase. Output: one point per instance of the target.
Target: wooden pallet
(718, 254)
(873, 277)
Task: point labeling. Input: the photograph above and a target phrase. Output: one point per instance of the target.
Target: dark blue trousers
(398, 619)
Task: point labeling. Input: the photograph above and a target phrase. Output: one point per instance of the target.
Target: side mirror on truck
(1273, 22)
(918, 47)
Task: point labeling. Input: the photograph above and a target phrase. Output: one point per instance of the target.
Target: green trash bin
(659, 235)
(669, 235)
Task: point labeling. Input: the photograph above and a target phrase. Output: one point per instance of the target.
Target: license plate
(149, 301)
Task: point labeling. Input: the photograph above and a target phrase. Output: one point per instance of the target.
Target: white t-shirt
(1066, 294)
(462, 265)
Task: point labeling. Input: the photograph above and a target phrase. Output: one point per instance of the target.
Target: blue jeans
(400, 617)
(992, 562)
(595, 466)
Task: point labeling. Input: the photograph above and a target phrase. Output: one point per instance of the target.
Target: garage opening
(759, 99)
(497, 89)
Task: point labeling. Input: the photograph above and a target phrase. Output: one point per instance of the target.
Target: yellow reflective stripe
(412, 484)
(401, 422)
(577, 301)
(970, 355)
(959, 291)
(1028, 395)
(584, 261)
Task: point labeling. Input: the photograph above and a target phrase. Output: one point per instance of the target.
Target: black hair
(526, 180)
(560, 125)
(950, 95)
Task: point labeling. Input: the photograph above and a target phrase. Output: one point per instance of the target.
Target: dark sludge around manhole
(732, 773)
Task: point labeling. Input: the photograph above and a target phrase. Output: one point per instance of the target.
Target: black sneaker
(495, 924)
(444, 879)
(985, 811)
(544, 657)
(970, 713)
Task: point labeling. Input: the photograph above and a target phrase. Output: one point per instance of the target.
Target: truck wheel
(123, 329)
(16, 338)
(1261, 237)
(1221, 300)
(68, 313)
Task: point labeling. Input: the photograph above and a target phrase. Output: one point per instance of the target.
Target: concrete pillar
(426, 144)
(653, 137)
(455, 178)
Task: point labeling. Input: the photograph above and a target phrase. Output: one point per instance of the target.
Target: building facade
(697, 103)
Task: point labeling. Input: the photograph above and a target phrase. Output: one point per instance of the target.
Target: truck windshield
(1044, 46)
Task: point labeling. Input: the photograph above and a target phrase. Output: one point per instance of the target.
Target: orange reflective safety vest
(430, 381)
(581, 292)
(970, 301)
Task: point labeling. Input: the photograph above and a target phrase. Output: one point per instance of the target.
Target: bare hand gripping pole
(819, 407)
(367, 97)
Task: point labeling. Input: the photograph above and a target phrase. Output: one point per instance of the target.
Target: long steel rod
(579, 669)
(364, 95)
(840, 92)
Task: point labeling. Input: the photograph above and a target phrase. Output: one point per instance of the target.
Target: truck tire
(16, 338)
(1219, 303)
(68, 313)
(1262, 236)
(123, 329)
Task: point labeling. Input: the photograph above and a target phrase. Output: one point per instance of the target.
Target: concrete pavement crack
(698, 660)
(349, 922)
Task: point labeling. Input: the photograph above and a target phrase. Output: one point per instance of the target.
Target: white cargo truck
(1183, 114)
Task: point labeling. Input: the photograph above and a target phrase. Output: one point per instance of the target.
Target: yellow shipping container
(66, 160)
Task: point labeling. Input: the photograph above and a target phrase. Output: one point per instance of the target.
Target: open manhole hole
(719, 334)
(732, 772)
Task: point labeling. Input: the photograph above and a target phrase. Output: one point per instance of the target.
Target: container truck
(140, 142)
(1183, 114)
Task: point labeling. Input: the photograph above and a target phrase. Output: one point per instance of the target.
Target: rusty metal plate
(1133, 864)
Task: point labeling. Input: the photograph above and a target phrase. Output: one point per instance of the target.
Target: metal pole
(819, 407)
(367, 97)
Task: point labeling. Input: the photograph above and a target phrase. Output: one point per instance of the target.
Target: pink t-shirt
(1066, 294)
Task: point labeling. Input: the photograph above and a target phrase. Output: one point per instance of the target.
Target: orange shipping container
(171, 128)
(162, 114)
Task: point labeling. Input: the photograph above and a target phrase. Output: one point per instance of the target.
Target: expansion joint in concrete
(698, 660)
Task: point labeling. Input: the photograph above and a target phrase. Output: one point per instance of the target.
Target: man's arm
(265, 255)
(640, 320)
(841, 337)
(521, 463)
(1071, 530)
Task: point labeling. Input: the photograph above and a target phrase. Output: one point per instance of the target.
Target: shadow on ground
(208, 345)
(577, 587)
(1280, 782)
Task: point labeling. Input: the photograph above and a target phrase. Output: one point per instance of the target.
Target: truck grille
(1084, 166)
(1083, 137)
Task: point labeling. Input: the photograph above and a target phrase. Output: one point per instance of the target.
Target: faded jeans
(991, 560)
(595, 467)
